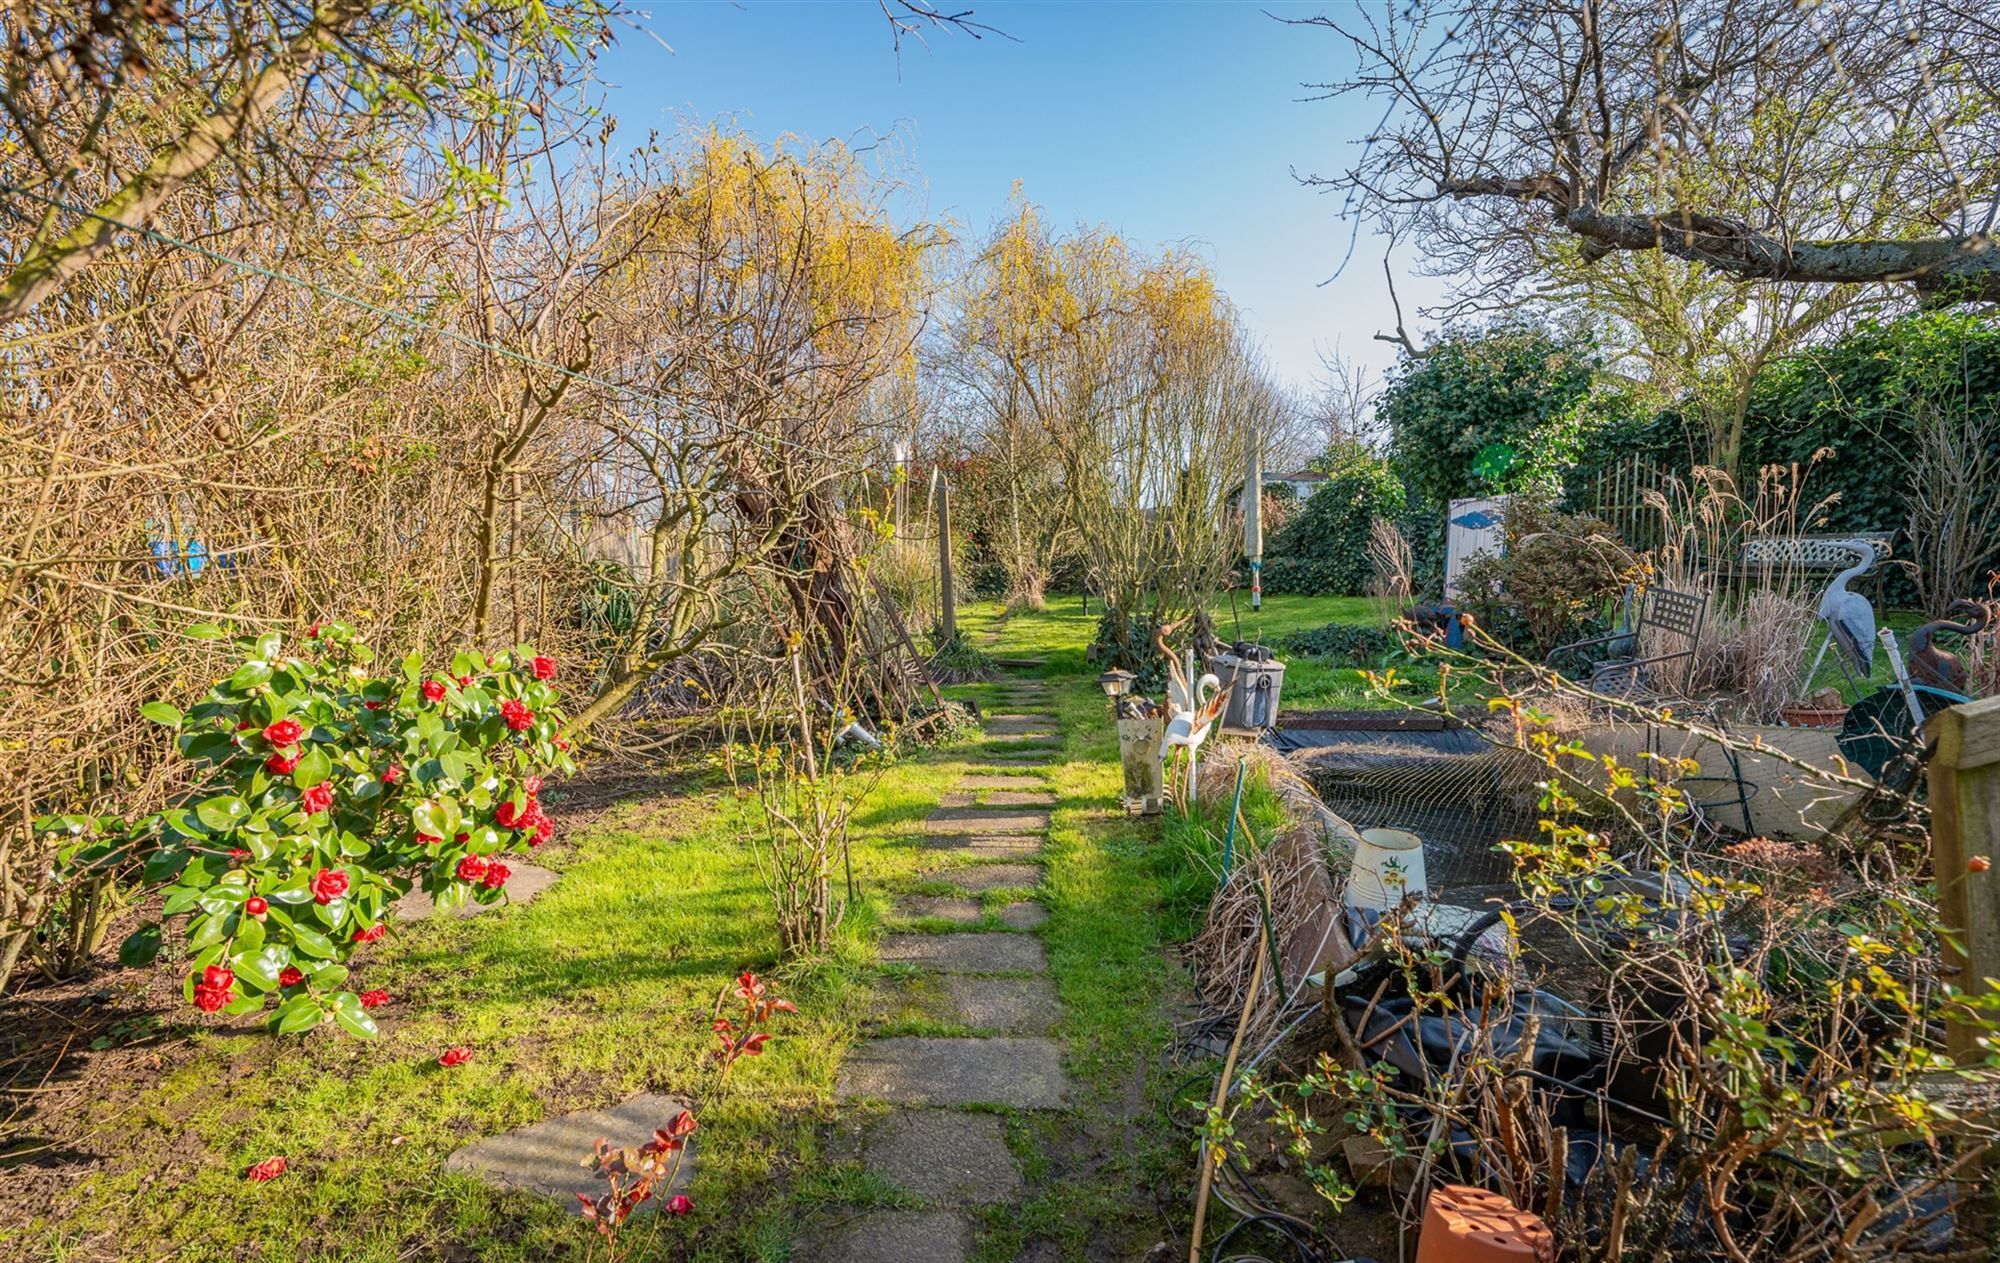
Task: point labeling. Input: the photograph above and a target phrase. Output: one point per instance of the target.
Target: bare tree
(1797, 146)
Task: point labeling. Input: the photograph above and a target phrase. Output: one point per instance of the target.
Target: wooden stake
(1221, 1095)
(947, 599)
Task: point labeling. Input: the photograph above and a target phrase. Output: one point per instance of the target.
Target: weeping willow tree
(1140, 384)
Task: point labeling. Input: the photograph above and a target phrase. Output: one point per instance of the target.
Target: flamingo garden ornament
(1191, 710)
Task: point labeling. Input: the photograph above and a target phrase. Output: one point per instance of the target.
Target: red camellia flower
(462, 680)
(454, 1057)
(238, 853)
(312, 633)
(497, 875)
(679, 1204)
(392, 774)
(543, 668)
(508, 816)
(433, 690)
(561, 743)
(374, 999)
(210, 999)
(256, 906)
(373, 705)
(218, 977)
(462, 837)
(518, 716)
(545, 829)
(291, 977)
(370, 933)
(284, 733)
(316, 800)
(426, 839)
(281, 765)
(265, 1171)
(471, 868)
(328, 884)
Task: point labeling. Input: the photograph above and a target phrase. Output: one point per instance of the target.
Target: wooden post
(947, 599)
(1965, 835)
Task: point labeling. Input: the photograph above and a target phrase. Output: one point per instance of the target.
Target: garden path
(966, 1015)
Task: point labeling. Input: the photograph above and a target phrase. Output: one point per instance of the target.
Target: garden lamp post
(1141, 726)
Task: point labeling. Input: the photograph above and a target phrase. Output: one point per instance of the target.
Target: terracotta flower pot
(1471, 1225)
(1806, 715)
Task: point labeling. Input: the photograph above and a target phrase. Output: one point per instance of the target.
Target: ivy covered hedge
(1855, 401)
(1348, 644)
(1323, 549)
(1490, 412)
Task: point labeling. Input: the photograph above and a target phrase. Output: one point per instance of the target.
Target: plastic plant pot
(1470, 1225)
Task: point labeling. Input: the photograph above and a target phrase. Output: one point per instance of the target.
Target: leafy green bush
(1498, 411)
(1350, 644)
(1127, 643)
(327, 791)
(1552, 582)
(1323, 549)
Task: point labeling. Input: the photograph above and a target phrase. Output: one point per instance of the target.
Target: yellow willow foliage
(747, 230)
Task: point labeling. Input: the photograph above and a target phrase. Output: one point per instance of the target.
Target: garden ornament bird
(1191, 710)
(1849, 618)
(1931, 665)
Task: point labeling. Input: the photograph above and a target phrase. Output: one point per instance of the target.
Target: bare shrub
(1392, 564)
(1954, 520)
(1761, 618)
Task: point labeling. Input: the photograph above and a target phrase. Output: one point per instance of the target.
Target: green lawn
(603, 988)
(1060, 633)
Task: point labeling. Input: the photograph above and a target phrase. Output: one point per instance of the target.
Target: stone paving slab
(1023, 744)
(1020, 726)
(987, 843)
(944, 1156)
(524, 883)
(977, 780)
(892, 1236)
(978, 877)
(1023, 916)
(546, 1157)
(1005, 1006)
(998, 798)
(989, 820)
(919, 1070)
(992, 952)
(961, 911)
(973, 1002)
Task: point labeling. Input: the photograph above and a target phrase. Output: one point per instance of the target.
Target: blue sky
(1170, 122)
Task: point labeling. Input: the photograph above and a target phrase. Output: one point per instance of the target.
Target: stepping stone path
(547, 1158)
(524, 883)
(940, 1144)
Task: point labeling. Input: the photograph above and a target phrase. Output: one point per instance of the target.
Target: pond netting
(1437, 779)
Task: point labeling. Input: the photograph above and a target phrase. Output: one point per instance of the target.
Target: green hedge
(1852, 399)
(1323, 549)
(1351, 644)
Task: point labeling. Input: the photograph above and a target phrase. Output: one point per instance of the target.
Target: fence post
(947, 598)
(1965, 836)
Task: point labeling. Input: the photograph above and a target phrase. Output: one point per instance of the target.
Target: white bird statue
(1191, 711)
(1849, 618)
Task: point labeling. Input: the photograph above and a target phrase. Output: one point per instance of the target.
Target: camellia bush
(327, 790)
